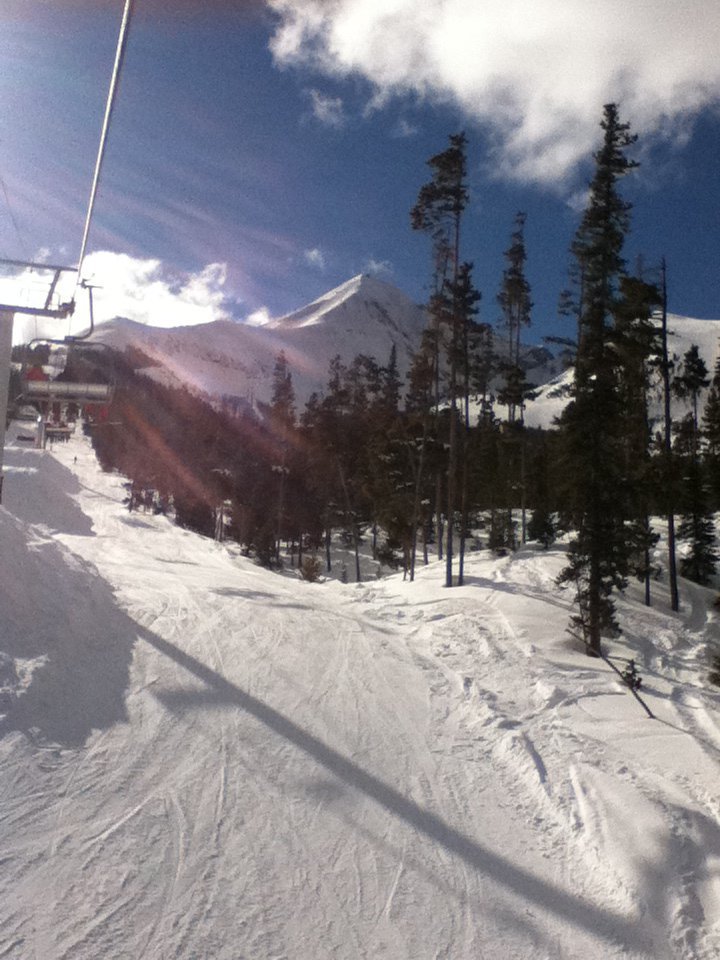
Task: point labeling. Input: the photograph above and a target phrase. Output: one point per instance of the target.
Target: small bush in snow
(310, 568)
(714, 675)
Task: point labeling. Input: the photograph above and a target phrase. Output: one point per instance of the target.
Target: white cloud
(536, 72)
(327, 110)
(142, 290)
(315, 258)
(145, 291)
(379, 268)
(403, 129)
(259, 317)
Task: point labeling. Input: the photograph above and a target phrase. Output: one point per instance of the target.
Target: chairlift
(83, 392)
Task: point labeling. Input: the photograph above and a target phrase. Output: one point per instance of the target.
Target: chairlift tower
(49, 307)
(61, 310)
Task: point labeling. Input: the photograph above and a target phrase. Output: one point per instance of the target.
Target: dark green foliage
(697, 527)
(311, 568)
(438, 211)
(631, 676)
(353, 438)
(593, 422)
(541, 527)
(542, 524)
(502, 536)
(711, 440)
(515, 303)
(443, 199)
(714, 675)
(690, 380)
(700, 562)
(638, 349)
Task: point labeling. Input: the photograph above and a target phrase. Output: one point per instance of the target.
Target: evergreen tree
(282, 403)
(668, 472)
(465, 298)
(390, 387)
(541, 526)
(638, 349)
(439, 209)
(282, 424)
(421, 437)
(697, 528)
(711, 437)
(593, 422)
(515, 303)
(696, 524)
(690, 380)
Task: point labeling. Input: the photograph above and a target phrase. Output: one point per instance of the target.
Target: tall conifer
(439, 209)
(592, 423)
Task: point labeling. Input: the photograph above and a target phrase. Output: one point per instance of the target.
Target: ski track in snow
(349, 771)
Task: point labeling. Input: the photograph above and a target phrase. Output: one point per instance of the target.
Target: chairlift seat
(68, 390)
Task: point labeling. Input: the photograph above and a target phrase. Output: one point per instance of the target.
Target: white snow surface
(203, 759)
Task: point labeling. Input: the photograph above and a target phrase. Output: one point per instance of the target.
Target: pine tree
(592, 423)
(465, 298)
(668, 472)
(696, 524)
(711, 437)
(439, 209)
(690, 380)
(282, 425)
(422, 443)
(697, 528)
(542, 525)
(515, 303)
(282, 403)
(638, 349)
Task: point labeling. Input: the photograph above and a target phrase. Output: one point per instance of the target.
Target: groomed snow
(201, 759)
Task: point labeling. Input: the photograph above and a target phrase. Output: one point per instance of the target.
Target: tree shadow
(66, 647)
(43, 497)
(222, 694)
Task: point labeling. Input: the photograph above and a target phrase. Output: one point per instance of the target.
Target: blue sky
(262, 153)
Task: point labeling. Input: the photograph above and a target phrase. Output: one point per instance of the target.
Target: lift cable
(13, 218)
(119, 55)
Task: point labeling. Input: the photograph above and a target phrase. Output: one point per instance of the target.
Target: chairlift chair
(81, 392)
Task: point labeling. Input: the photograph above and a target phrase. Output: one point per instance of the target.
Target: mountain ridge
(363, 315)
(225, 358)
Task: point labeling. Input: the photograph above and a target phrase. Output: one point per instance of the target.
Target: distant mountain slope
(363, 315)
(683, 332)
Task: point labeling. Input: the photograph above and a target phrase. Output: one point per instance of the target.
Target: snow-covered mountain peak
(361, 289)
(223, 358)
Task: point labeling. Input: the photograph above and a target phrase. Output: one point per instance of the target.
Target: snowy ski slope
(201, 759)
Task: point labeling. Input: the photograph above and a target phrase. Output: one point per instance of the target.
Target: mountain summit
(364, 315)
(378, 302)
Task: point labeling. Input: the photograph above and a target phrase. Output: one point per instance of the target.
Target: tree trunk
(439, 526)
(451, 480)
(672, 559)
